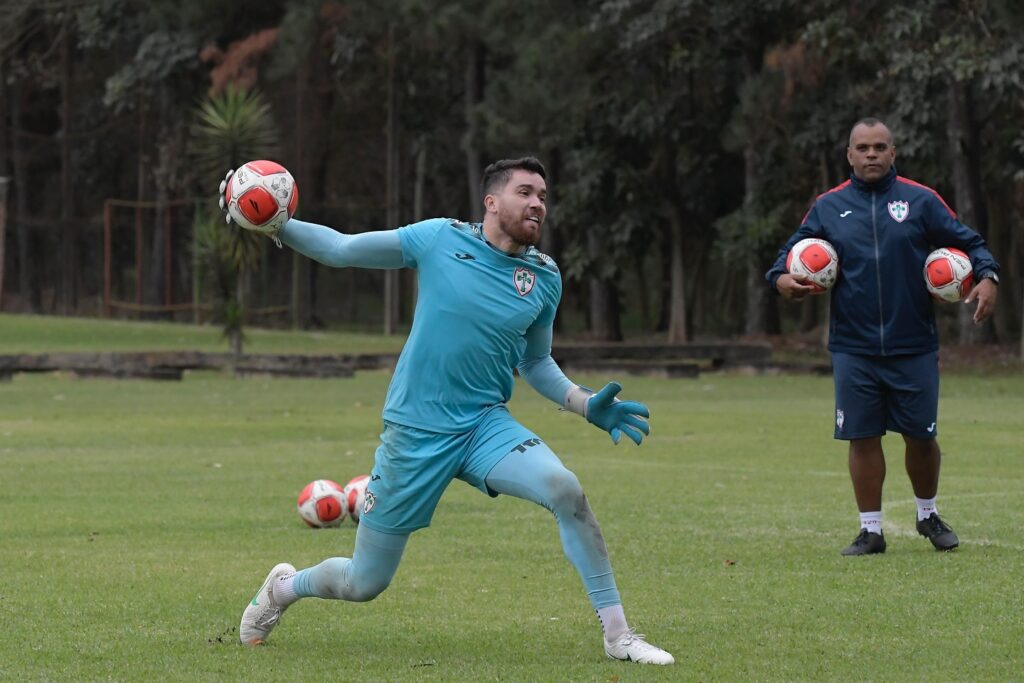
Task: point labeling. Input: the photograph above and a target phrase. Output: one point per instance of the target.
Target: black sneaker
(938, 532)
(866, 543)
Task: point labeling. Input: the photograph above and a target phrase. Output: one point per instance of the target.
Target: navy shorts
(879, 393)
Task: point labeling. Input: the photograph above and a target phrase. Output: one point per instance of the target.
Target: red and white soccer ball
(261, 195)
(355, 495)
(948, 274)
(322, 504)
(817, 259)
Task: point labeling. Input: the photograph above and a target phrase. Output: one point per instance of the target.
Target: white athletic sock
(284, 591)
(925, 507)
(613, 621)
(872, 521)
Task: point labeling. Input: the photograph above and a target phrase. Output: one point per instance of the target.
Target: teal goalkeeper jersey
(474, 308)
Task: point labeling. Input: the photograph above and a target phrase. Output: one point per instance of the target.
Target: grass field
(38, 334)
(138, 517)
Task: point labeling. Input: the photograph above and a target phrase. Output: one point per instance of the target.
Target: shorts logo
(529, 443)
(368, 502)
(524, 280)
(899, 211)
(840, 418)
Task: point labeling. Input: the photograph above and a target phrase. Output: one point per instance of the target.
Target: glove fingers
(221, 190)
(634, 408)
(616, 435)
(637, 422)
(633, 434)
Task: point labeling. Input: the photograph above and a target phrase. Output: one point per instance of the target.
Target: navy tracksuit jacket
(883, 232)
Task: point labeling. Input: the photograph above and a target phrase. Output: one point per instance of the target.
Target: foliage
(648, 113)
(158, 56)
(232, 127)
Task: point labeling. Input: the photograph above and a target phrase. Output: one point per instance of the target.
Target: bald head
(869, 122)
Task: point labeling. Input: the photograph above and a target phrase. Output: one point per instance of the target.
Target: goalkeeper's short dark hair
(500, 172)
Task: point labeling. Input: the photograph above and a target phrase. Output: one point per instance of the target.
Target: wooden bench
(666, 360)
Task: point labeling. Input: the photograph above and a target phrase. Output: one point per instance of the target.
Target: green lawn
(138, 517)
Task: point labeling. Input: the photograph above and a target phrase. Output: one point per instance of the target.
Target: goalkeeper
(486, 305)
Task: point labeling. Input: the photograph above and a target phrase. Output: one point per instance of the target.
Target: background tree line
(684, 140)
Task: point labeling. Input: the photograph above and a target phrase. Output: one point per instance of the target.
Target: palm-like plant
(231, 128)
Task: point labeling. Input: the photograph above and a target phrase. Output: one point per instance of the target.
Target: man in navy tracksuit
(882, 331)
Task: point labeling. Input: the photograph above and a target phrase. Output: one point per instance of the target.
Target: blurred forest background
(684, 141)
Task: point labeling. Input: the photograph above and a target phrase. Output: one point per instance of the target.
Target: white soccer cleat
(633, 647)
(262, 613)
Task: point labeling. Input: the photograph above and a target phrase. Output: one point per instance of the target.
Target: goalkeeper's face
(520, 207)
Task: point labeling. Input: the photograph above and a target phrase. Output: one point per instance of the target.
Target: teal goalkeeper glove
(618, 417)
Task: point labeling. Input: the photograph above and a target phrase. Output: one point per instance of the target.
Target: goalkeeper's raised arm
(381, 249)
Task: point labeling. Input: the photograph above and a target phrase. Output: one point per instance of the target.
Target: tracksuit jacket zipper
(878, 278)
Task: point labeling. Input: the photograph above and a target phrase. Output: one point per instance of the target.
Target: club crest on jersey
(524, 279)
(899, 211)
(840, 418)
(368, 502)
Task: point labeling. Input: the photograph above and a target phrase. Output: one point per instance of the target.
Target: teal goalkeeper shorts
(413, 467)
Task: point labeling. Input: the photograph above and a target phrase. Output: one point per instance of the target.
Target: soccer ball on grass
(355, 496)
(817, 260)
(948, 274)
(261, 195)
(322, 504)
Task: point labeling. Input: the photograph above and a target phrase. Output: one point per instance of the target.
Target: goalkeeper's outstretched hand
(618, 417)
(222, 201)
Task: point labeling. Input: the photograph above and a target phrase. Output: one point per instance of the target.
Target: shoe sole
(940, 548)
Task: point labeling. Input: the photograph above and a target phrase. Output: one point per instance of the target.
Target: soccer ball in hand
(948, 274)
(261, 196)
(817, 259)
(322, 504)
(355, 495)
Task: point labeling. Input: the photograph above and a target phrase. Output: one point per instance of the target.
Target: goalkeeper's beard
(522, 232)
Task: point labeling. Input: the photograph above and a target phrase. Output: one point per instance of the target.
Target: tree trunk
(809, 310)
(4, 179)
(29, 283)
(69, 226)
(475, 53)
(419, 187)
(391, 279)
(604, 311)
(235, 331)
(604, 304)
(696, 291)
(962, 135)
(155, 276)
(756, 292)
(3, 232)
(677, 332)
